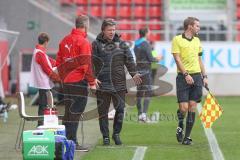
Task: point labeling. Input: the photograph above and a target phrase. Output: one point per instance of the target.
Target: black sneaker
(187, 141)
(106, 141)
(179, 134)
(81, 148)
(117, 139)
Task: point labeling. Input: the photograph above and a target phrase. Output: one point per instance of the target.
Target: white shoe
(140, 118)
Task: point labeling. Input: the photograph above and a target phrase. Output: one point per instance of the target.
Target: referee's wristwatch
(205, 76)
(185, 74)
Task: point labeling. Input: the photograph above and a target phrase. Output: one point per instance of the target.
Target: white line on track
(215, 149)
(139, 153)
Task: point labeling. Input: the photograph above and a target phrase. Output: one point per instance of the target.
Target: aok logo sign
(38, 150)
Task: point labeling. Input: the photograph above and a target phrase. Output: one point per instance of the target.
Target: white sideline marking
(139, 153)
(215, 149)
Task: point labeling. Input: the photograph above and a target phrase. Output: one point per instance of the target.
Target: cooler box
(58, 129)
(38, 144)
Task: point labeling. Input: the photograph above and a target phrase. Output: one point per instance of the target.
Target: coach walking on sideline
(110, 55)
(75, 70)
(187, 52)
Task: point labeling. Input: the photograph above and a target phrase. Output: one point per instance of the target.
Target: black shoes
(81, 148)
(179, 134)
(187, 141)
(116, 139)
(106, 141)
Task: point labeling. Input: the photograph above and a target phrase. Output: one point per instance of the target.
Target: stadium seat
(156, 2)
(125, 2)
(155, 37)
(110, 12)
(238, 2)
(155, 11)
(124, 25)
(140, 2)
(96, 11)
(66, 2)
(111, 2)
(238, 12)
(126, 36)
(82, 10)
(98, 2)
(81, 2)
(140, 23)
(154, 24)
(125, 12)
(140, 12)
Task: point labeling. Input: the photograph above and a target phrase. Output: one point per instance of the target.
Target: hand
(55, 77)
(97, 83)
(205, 82)
(93, 87)
(159, 57)
(189, 79)
(137, 79)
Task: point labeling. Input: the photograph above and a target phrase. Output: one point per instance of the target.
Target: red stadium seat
(154, 24)
(140, 12)
(110, 12)
(238, 13)
(140, 2)
(82, 10)
(155, 37)
(125, 12)
(96, 11)
(238, 2)
(155, 11)
(66, 2)
(98, 2)
(81, 2)
(124, 25)
(156, 2)
(126, 36)
(125, 2)
(140, 24)
(111, 2)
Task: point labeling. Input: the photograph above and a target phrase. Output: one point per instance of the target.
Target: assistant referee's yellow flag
(211, 111)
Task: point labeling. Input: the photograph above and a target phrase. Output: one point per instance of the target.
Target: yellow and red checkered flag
(211, 110)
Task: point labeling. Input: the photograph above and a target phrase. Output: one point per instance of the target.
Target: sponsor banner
(221, 57)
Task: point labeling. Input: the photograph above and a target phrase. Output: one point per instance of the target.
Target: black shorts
(186, 92)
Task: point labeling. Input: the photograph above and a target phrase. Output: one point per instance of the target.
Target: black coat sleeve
(96, 61)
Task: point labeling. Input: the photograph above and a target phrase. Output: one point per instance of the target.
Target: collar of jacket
(101, 38)
(140, 41)
(38, 46)
(79, 32)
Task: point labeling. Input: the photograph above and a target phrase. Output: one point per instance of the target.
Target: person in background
(42, 72)
(144, 60)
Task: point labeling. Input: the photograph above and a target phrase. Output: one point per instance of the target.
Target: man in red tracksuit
(75, 70)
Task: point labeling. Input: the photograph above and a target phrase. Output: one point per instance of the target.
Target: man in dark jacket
(110, 55)
(144, 59)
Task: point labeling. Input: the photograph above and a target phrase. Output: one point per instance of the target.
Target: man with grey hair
(75, 71)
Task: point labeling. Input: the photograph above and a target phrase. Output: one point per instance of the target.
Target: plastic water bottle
(5, 116)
